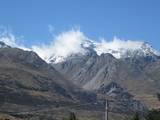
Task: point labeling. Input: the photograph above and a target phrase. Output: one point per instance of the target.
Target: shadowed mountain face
(27, 83)
(138, 74)
(27, 80)
(121, 100)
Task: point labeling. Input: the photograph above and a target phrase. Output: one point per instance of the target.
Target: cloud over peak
(117, 45)
(9, 38)
(73, 41)
(62, 45)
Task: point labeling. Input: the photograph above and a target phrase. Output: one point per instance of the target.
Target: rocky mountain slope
(29, 86)
(28, 83)
(136, 70)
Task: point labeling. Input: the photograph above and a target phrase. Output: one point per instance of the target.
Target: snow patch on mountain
(76, 42)
(62, 46)
(125, 48)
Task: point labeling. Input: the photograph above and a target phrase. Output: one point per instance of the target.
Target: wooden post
(106, 110)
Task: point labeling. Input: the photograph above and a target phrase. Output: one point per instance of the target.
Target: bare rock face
(27, 81)
(138, 73)
(122, 101)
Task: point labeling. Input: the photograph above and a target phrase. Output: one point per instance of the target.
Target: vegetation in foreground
(152, 115)
(72, 116)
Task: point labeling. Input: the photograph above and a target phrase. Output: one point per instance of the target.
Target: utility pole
(106, 110)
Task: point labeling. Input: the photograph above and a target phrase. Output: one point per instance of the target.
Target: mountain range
(135, 69)
(79, 81)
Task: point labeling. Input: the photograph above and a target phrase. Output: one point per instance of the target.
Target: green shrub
(153, 115)
(72, 116)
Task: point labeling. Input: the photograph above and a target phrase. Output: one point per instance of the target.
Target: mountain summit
(131, 64)
(118, 48)
(79, 76)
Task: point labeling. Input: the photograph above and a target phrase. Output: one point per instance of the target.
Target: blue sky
(126, 19)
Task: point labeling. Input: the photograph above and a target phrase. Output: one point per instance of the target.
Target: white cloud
(8, 38)
(63, 45)
(70, 42)
(117, 44)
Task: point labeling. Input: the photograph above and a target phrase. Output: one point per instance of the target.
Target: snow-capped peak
(123, 49)
(74, 42)
(85, 46)
(118, 48)
(63, 46)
